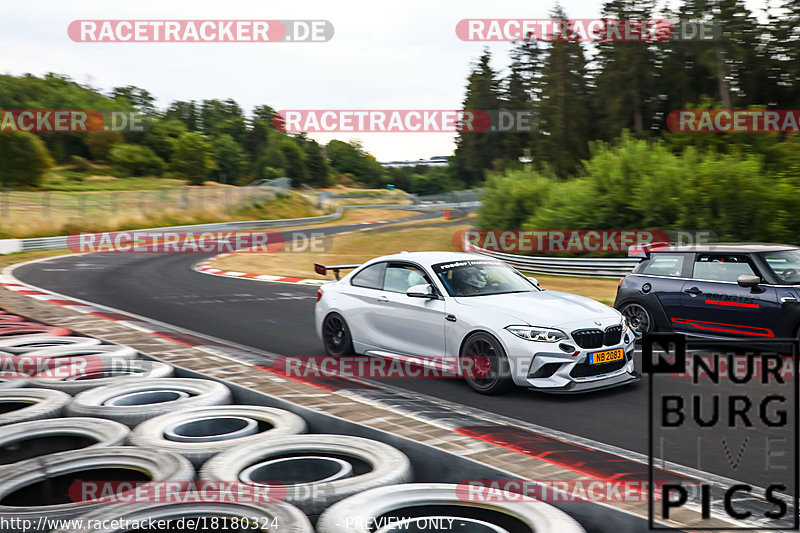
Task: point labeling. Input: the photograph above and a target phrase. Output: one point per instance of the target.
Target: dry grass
(358, 247)
(350, 248)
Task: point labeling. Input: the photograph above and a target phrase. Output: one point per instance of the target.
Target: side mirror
(534, 281)
(421, 291)
(748, 280)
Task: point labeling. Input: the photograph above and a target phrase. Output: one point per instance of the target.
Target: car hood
(545, 308)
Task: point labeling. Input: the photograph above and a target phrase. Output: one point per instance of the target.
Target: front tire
(639, 319)
(485, 365)
(336, 336)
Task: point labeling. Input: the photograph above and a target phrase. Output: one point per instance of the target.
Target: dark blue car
(727, 291)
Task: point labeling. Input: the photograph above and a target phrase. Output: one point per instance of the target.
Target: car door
(661, 279)
(362, 294)
(406, 325)
(714, 303)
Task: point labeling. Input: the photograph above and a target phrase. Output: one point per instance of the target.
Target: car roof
(431, 258)
(733, 247)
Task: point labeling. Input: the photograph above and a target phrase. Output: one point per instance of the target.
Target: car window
(785, 264)
(721, 267)
(399, 277)
(371, 277)
(663, 265)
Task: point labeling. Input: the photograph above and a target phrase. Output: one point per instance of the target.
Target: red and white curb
(205, 267)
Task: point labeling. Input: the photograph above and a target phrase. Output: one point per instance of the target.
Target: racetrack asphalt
(279, 318)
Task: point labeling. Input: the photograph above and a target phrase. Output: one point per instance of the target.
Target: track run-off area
(278, 320)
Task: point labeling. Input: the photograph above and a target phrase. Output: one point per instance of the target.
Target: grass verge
(364, 245)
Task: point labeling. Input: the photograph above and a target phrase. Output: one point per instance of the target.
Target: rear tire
(485, 364)
(639, 319)
(336, 336)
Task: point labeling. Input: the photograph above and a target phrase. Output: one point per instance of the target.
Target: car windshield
(785, 264)
(479, 277)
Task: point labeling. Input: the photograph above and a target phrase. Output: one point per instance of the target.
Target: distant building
(437, 161)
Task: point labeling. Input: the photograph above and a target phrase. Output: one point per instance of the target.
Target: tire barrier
(316, 470)
(272, 517)
(60, 432)
(104, 373)
(199, 433)
(13, 383)
(27, 343)
(8, 318)
(25, 440)
(55, 486)
(22, 405)
(135, 401)
(423, 506)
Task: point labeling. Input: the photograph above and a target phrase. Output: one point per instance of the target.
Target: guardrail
(10, 246)
(588, 267)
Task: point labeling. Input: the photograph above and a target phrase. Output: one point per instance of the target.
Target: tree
(626, 75)
(316, 164)
(230, 159)
(162, 136)
(192, 159)
(101, 142)
(24, 160)
(477, 150)
(564, 110)
(186, 112)
(135, 160)
(350, 158)
(140, 99)
(295, 161)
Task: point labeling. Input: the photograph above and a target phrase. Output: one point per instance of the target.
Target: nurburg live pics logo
(741, 426)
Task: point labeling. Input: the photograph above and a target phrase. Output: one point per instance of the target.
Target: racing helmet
(471, 276)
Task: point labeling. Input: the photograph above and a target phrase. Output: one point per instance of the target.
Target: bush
(136, 160)
(100, 143)
(636, 184)
(24, 160)
(192, 158)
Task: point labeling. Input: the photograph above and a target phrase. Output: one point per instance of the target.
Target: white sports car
(500, 327)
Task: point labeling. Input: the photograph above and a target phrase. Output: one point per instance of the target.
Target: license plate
(607, 356)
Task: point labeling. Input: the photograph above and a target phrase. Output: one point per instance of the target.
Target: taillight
(319, 294)
(620, 283)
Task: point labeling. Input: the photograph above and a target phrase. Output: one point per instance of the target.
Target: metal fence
(584, 267)
(77, 207)
(60, 243)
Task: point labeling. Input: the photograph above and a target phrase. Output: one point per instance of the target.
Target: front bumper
(545, 367)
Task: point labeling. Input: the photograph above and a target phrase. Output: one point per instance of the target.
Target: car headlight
(625, 325)
(533, 333)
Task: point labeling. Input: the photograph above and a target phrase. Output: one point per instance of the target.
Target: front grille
(596, 338)
(588, 338)
(613, 335)
(585, 370)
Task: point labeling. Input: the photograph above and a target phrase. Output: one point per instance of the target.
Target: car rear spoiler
(322, 270)
(642, 251)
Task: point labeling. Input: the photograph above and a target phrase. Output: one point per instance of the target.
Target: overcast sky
(384, 55)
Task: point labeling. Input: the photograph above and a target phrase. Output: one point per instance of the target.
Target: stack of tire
(125, 424)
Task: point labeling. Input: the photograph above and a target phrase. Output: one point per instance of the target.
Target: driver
(468, 280)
